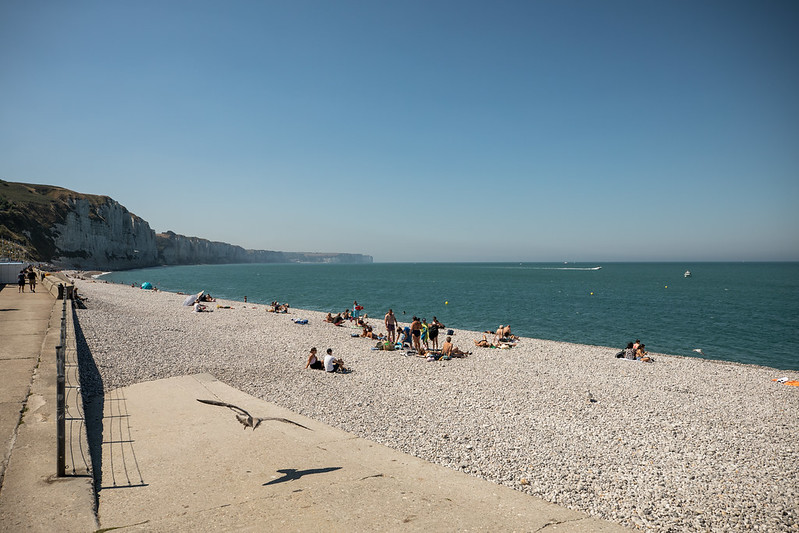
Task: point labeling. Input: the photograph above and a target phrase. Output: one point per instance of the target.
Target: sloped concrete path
(32, 498)
(171, 463)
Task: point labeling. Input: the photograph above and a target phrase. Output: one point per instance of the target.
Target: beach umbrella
(192, 298)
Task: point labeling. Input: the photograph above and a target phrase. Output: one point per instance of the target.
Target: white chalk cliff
(104, 237)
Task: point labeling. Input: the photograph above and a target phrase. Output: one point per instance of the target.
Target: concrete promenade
(32, 498)
(170, 463)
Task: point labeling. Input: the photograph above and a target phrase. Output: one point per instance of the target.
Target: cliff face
(104, 237)
(73, 230)
(174, 249)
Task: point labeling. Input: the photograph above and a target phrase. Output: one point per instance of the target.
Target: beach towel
(300, 320)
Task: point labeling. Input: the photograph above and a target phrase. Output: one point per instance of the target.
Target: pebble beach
(681, 444)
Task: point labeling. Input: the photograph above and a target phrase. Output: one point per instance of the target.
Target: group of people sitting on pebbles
(277, 307)
(330, 363)
(420, 338)
(635, 352)
(503, 339)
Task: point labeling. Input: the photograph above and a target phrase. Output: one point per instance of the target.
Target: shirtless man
(416, 334)
(391, 325)
(451, 350)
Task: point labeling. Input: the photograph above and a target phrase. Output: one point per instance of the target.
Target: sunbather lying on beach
(483, 343)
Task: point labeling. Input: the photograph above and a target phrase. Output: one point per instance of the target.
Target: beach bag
(450, 332)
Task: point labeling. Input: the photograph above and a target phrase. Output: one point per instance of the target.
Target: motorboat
(687, 274)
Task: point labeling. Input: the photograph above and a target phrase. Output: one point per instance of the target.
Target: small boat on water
(687, 274)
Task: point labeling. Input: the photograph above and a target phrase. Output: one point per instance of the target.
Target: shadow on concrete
(290, 474)
(91, 384)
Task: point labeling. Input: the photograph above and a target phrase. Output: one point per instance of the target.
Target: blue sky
(419, 130)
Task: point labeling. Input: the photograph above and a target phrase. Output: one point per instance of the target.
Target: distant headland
(49, 224)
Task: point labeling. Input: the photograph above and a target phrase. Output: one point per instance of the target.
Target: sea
(741, 312)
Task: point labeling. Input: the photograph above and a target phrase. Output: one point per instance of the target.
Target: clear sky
(419, 130)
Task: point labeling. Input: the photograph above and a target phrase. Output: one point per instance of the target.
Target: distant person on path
(21, 281)
(32, 279)
(313, 361)
(391, 325)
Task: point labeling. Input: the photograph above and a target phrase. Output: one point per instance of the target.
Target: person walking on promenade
(391, 325)
(32, 279)
(21, 281)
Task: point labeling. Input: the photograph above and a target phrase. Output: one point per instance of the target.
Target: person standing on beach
(425, 333)
(416, 334)
(356, 310)
(391, 325)
(432, 332)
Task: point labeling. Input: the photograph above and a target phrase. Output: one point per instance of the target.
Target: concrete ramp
(172, 463)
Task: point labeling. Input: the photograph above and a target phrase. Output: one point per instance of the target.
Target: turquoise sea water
(743, 312)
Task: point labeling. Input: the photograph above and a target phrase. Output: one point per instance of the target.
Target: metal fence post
(60, 410)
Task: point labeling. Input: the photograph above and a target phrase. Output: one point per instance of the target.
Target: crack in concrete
(558, 523)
